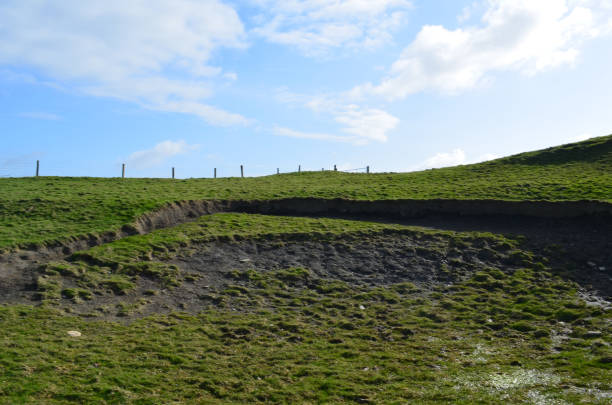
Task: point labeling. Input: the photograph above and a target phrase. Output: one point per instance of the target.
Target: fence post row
(214, 173)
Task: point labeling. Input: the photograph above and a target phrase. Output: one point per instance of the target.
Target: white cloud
(210, 114)
(318, 26)
(453, 158)
(158, 154)
(360, 127)
(360, 124)
(367, 124)
(523, 35)
(151, 52)
(282, 131)
(41, 116)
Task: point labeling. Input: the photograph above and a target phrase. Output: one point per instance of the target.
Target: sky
(397, 85)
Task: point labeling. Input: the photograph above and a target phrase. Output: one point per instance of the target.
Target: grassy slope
(487, 339)
(286, 336)
(38, 210)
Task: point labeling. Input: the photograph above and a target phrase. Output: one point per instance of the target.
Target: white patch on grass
(536, 397)
(479, 355)
(522, 378)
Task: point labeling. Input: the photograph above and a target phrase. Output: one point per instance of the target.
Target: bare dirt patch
(427, 260)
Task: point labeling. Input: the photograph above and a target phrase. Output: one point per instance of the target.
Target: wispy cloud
(282, 131)
(155, 53)
(360, 125)
(41, 116)
(523, 35)
(317, 27)
(212, 115)
(367, 124)
(159, 153)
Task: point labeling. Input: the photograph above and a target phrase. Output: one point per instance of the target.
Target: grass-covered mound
(45, 209)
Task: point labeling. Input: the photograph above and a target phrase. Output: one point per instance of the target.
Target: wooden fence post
(37, 167)
(241, 171)
(123, 170)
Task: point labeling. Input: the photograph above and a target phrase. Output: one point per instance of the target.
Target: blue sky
(394, 84)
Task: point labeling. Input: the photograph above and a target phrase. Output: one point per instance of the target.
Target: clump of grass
(77, 294)
(48, 288)
(118, 285)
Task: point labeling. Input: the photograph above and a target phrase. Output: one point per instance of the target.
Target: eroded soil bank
(184, 211)
(574, 238)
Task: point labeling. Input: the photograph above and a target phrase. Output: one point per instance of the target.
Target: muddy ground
(379, 260)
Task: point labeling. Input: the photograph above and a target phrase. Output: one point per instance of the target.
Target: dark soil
(376, 261)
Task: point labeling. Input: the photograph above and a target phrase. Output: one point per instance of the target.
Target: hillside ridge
(47, 209)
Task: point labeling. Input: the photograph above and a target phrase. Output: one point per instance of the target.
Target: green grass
(35, 211)
(289, 337)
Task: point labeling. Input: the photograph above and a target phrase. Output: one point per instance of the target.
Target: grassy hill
(44, 209)
(247, 308)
